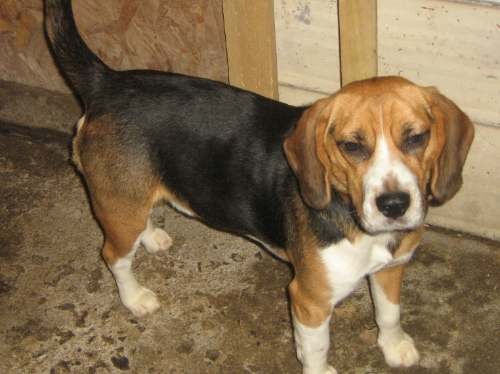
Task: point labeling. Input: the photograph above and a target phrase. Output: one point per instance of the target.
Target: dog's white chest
(347, 263)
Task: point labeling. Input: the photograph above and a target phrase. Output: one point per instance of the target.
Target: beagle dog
(339, 189)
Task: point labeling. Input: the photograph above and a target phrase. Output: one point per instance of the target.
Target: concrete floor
(224, 305)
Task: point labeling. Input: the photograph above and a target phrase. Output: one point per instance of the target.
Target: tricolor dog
(339, 189)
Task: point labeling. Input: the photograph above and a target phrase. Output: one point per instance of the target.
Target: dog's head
(388, 145)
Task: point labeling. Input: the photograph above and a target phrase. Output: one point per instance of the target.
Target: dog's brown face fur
(381, 137)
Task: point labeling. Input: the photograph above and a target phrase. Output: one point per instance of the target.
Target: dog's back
(187, 133)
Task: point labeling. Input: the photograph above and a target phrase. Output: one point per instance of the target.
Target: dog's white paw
(399, 349)
(156, 240)
(143, 302)
(328, 370)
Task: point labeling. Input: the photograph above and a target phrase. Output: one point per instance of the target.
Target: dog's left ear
(456, 132)
(305, 158)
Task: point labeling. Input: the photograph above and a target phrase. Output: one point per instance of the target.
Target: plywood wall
(185, 36)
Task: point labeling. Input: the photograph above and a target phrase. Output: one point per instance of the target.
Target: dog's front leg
(311, 314)
(397, 345)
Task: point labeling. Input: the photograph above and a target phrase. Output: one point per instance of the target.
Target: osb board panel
(185, 36)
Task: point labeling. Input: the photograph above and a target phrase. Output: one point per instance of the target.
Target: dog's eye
(354, 149)
(415, 141)
(351, 147)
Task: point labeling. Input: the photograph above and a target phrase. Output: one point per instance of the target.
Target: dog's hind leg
(155, 239)
(138, 299)
(124, 225)
(123, 189)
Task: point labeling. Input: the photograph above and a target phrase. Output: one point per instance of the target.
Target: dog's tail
(82, 68)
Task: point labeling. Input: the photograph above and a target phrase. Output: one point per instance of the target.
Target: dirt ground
(224, 304)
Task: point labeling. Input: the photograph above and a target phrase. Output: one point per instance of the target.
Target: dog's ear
(455, 132)
(302, 149)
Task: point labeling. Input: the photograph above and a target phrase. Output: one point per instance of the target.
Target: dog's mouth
(389, 225)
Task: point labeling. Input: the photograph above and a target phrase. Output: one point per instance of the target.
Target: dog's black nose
(393, 204)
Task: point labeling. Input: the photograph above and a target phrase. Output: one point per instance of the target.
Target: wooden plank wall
(251, 45)
(184, 36)
(453, 45)
(449, 44)
(358, 40)
(307, 49)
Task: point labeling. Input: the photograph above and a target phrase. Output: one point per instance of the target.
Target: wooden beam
(358, 39)
(251, 45)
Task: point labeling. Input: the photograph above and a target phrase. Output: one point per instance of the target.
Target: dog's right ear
(302, 151)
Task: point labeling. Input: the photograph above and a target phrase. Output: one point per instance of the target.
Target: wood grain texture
(298, 96)
(308, 50)
(358, 39)
(451, 45)
(251, 45)
(476, 209)
(185, 36)
(477, 2)
(448, 44)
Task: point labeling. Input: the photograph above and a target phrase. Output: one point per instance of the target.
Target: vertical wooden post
(251, 45)
(358, 39)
